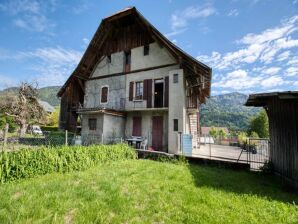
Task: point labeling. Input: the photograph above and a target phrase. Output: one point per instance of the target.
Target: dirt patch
(69, 217)
(17, 195)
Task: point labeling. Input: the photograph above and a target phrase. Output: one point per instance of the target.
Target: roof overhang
(261, 99)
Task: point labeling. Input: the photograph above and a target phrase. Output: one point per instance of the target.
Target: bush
(30, 163)
(268, 167)
(49, 128)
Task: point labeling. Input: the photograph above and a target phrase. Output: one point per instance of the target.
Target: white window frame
(134, 90)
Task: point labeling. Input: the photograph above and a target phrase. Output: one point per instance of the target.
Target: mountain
(227, 110)
(48, 94)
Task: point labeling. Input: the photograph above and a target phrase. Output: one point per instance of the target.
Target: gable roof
(199, 74)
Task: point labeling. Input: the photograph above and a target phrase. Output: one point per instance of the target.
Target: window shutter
(167, 91)
(149, 93)
(130, 91)
(145, 89)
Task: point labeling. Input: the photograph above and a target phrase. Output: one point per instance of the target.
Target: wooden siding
(283, 123)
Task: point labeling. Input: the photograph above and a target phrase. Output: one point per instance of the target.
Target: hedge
(49, 128)
(30, 163)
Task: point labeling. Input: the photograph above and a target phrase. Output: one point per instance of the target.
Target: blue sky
(252, 45)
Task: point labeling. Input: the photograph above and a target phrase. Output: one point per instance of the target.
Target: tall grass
(29, 163)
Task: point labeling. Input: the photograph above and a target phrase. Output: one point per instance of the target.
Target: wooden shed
(282, 111)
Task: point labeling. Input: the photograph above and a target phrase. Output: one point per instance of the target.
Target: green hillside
(48, 94)
(227, 110)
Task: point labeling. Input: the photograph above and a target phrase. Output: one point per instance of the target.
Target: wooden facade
(124, 31)
(282, 110)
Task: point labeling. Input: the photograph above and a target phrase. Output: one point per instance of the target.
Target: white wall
(116, 91)
(140, 76)
(147, 125)
(177, 109)
(157, 56)
(105, 68)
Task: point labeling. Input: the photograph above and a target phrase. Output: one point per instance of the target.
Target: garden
(108, 184)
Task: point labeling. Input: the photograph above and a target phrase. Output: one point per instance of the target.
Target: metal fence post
(66, 137)
(5, 135)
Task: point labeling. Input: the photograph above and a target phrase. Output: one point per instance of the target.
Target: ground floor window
(175, 124)
(92, 123)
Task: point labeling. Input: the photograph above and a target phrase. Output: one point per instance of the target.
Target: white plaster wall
(147, 125)
(157, 56)
(140, 76)
(177, 109)
(85, 125)
(105, 68)
(116, 91)
(113, 127)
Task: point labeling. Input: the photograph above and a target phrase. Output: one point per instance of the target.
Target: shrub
(30, 163)
(268, 167)
(49, 128)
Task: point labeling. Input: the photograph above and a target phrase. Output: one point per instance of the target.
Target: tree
(23, 108)
(222, 133)
(53, 118)
(260, 125)
(213, 132)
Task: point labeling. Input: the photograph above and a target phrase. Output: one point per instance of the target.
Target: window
(139, 90)
(146, 50)
(175, 124)
(104, 94)
(109, 58)
(127, 57)
(175, 78)
(92, 124)
(127, 61)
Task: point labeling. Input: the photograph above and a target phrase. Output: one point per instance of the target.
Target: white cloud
(233, 12)
(292, 71)
(51, 66)
(295, 83)
(261, 47)
(30, 14)
(272, 82)
(283, 56)
(86, 41)
(293, 61)
(238, 80)
(272, 70)
(180, 19)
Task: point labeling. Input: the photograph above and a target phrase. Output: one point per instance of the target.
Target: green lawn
(143, 191)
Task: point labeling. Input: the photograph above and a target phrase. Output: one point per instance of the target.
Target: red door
(137, 126)
(157, 132)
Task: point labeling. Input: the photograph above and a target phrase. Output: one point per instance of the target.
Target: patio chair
(144, 144)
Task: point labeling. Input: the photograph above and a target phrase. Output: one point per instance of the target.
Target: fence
(255, 151)
(12, 141)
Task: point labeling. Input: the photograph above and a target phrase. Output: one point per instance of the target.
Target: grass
(143, 191)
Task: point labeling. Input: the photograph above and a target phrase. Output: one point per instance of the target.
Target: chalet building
(282, 111)
(132, 81)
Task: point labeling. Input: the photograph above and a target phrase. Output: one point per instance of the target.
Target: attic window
(109, 58)
(175, 78)
(104, 94)
(146, 49)
(127, 57)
